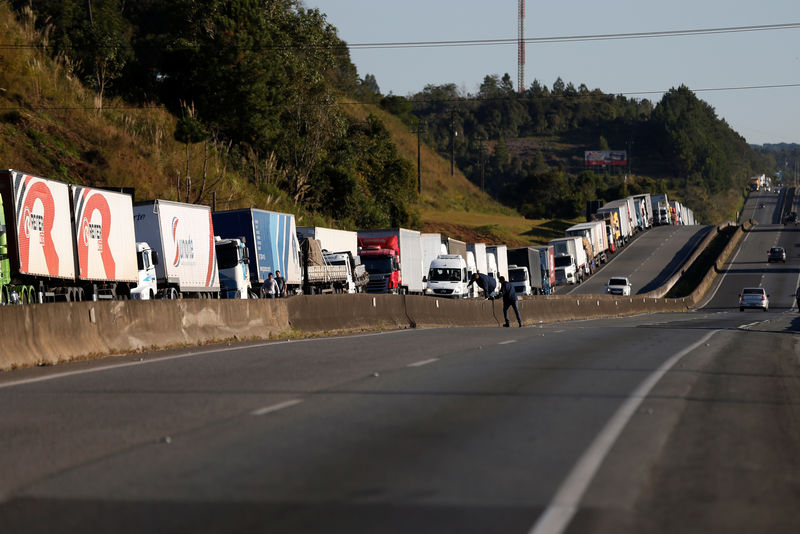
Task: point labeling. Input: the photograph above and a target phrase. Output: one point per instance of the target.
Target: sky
(628, 66)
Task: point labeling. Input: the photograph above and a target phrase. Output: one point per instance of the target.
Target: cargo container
(393, 259)
(183, 236)
(570, 260)
(432, 248)
(595, 234)
(547, 257)
(479, 251)
(271, 240)
(529, 259)
(331, 239)
(454, 246)
(500, 253)
(62, 242)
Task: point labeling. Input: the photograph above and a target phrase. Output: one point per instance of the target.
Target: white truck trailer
(570, 260)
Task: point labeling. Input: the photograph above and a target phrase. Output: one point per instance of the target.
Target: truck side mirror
(154, 257)
(425, 279)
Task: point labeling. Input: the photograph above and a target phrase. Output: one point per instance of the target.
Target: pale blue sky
(625, 66)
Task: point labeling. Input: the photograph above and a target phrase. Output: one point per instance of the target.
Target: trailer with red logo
(63, 242)
(183, 236)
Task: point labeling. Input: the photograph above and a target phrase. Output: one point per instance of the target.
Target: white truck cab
(447, 277)
(147, 259)
(520, 279)
(234, 270)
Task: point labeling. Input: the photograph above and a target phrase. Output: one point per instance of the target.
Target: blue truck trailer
(271, 240)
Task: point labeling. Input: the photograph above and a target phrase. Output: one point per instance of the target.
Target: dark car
(790, 218)
(776, 254)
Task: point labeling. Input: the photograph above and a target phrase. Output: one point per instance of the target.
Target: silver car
(753, 297)
(618, 285)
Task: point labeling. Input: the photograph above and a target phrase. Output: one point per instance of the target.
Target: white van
(447, 277)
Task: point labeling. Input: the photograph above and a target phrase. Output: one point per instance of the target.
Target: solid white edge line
(423, 362)
(507, 342)
(565, 503)
(276, 407)
(158, 359)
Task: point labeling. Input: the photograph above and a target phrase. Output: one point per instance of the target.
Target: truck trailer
(570, 260)
(65, 242)
(183, 236)
(272, 245)
(393, 259)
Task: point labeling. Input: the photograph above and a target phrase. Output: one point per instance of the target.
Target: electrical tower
(521, 48)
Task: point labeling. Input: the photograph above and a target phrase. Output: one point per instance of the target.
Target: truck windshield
(563, 261)
(377, 265)
(445, 275)
(517, 275)
(227, 255)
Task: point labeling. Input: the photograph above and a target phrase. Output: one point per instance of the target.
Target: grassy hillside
(49, 126)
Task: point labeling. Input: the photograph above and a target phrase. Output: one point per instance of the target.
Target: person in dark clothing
(797, 298)
(509, 300)
(484, 282)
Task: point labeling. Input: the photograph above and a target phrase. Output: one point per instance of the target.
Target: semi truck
(65, 242)
(645, 208)
(500, 253)
(547, 257)
(661, 211)
(479, 251)
(233, 262)
(330, 272)
(617, 213)
(183, 236)
(595, 233)
(393, 259)
(533, 281)
(570, 260)
(271, 241)
(455, 246)
(432, 248)
(331, 239)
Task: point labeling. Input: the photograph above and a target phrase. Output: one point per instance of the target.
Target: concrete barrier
(58, 332)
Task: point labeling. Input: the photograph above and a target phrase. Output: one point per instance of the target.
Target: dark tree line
(261, 76)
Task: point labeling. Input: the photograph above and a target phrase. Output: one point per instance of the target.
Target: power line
(493, 42)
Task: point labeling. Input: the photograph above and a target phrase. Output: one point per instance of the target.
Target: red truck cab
(381, 258)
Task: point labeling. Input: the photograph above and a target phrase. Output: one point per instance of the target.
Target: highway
(658, 424)
(643, 260)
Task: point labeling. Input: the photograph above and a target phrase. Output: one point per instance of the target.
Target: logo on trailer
(184, 248)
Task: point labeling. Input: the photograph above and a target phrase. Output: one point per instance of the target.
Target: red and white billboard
(104, 235)
(42, 225)
(605, 158)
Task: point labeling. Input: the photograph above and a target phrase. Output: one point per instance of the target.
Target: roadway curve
(649, 261)
(658, 424)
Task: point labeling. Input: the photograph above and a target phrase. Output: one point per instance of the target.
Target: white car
(618, 285)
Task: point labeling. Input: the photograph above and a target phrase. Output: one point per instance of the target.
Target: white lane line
(507, 342)
(276, 407)
(158, 359)
(423, 362)
(564, 505)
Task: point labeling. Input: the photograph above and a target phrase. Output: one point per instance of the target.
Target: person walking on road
(270, 287)
(509, 300)
(484, 282)
(281, 284)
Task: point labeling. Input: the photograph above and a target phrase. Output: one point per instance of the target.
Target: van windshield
(445, 275)
(517, 275)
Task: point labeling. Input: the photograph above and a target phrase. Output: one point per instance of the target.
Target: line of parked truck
(67, 242)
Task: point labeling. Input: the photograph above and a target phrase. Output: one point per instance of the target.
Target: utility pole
(521, 47)
(483, 166)
(453, 135)
(419, 132)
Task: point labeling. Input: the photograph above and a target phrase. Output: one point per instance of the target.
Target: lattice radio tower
(521, 49)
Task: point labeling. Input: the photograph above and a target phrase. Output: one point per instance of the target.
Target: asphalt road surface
(649, 261)
(660, 424)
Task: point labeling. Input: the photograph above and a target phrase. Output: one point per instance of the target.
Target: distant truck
(447, 277)
(644, 208)
(66, 242)
(393, 259)
(532, 281)
(479, 251)
(661, 211)
(570, 260)
(331, 239)
(183, 236)
(271, 241)
(595, 233)
(336, 272)
(618, 213)
(500, 253)
(233, 261)
(547, 258)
